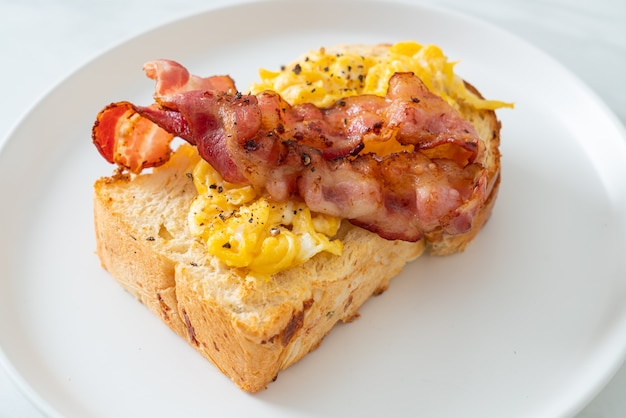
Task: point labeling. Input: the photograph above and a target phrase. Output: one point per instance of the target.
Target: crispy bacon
(124, 137)
(399, 196)
(171, 77)
(316, 153)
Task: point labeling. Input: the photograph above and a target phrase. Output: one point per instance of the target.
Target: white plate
(529, 321)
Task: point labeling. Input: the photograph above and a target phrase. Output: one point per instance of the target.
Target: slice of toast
(249, 329)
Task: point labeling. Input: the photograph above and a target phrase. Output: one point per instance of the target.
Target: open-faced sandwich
(286, 207)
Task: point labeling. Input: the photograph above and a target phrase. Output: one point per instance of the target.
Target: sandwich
(251, 223)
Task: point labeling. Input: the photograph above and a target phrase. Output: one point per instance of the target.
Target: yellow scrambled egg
(322, 78)
(245, 229)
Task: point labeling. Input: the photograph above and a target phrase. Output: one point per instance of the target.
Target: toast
(250, 329)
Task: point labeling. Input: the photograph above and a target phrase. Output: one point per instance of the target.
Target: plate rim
(4, 145)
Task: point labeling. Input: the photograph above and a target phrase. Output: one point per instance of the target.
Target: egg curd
(322, 78)
(245, 229)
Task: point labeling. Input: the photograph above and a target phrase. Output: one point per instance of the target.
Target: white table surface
(42, 42)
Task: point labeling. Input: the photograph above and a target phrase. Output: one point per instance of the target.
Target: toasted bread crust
(249, 329)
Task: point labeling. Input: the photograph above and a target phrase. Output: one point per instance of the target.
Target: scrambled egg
(245, 229)
(322, 78)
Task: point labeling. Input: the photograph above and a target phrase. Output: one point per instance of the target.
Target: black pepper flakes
(251, 145)
(297, 69)
(226, 245)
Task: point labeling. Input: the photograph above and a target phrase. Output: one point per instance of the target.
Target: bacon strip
(171, 78)
(124, 137)
(399, 196)
(134, 142)
(315, 153)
